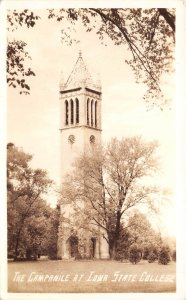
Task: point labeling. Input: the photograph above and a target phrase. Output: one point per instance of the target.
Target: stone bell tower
(80, 126)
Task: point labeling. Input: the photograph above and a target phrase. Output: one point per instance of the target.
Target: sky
(33, 120)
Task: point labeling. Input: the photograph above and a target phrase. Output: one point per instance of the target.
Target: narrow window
(92, 112)
(72, 111)
(88, 111)
(66, 112)
(77, 111)
(96, 114)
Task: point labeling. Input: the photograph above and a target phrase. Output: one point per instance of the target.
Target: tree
(27, 210)
(110, 183)
(142, 233)
(137, 230)
(152, 257)
(134, 254)
(35, 233)
(164, 255)
(123, 244)
(148, 34)
(50, 243)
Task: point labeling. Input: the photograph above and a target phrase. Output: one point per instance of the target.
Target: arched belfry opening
(66, 112)
(96, 114)
(80, 131)
(88, 111)
(77, 111)
(72, 111)
(92, 113)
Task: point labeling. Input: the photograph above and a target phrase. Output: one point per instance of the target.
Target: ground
(90, 276)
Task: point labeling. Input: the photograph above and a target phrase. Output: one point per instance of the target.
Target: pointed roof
(79, 76)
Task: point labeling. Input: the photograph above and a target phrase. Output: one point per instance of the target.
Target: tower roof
(80, 75)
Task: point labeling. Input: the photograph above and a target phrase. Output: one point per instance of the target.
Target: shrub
(148, 249)
(134, 254)
(146, 252)
(121, 255)
(152, 257)
(164, 256)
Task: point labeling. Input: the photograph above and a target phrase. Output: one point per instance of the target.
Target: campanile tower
(80, 106)
(80, 100)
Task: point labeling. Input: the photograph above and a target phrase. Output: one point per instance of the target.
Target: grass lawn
(90, 276)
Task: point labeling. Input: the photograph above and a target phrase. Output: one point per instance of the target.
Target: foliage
(164, 255)
(148, 34)
(150, 248)
(137, 229)
(142, 233)
(149, 38)
(110, 183)
(50, 244)
(140, 229)
(123, 244)
(36, 234)
(16, 51)
(28, 213)
(16, 70)
(134, 254)
(146, 252)
(152, 257)
(22, 18)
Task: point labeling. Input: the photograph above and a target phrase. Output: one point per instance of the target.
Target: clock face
(71, 139)
(92, 139)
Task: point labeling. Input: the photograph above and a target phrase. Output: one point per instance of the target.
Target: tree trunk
(114, 237)
(18, 240)
(16, 247)
(112, 250)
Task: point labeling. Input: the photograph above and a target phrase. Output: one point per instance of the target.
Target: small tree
(146, 252)
(134, 254)
(152, 257)
(142, 233)
(164, 256)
